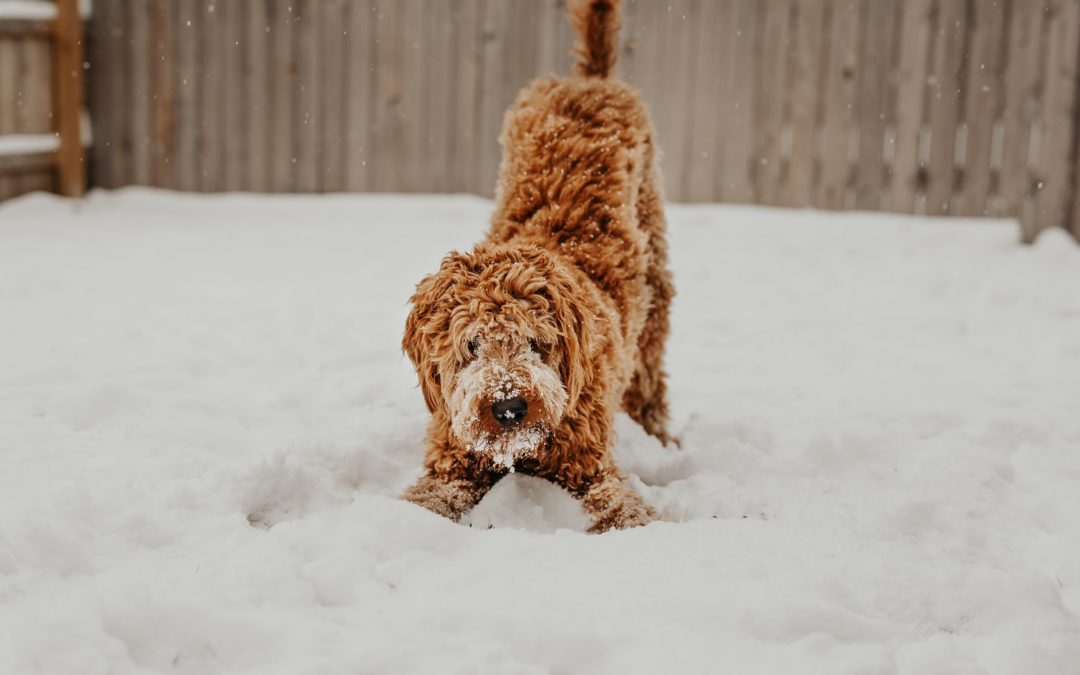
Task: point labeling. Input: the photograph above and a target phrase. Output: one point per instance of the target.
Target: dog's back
(578, 175)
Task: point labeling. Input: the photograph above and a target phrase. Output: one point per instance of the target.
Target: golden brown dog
(527, 346)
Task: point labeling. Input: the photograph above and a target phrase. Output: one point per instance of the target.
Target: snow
(205, 419)
(28, 144)
(38, 10)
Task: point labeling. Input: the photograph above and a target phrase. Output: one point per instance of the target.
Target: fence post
(71, 162)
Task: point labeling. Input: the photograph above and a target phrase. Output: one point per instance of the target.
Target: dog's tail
(596, 23)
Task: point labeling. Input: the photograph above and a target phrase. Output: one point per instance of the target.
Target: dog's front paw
(615, 506)
(449, 498)
(623, 516)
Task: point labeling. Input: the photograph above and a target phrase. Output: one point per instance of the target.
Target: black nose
(509, 412)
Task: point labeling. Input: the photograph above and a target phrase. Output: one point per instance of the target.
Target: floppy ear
(422, 329)
(579, 335)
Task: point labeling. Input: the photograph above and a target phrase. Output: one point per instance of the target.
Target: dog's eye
(535, 347)
(473, 346)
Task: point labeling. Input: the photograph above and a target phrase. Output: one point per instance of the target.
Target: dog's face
(500, 347)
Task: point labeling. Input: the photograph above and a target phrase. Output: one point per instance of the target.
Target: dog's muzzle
(509, 412)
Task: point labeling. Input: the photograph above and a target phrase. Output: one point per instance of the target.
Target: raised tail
(596, 23)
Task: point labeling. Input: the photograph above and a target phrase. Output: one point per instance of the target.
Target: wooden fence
(963, 107)
(41, 98)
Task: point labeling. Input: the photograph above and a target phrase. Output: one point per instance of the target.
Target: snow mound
(205, 420)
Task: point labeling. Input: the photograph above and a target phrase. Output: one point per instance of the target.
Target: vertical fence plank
(737, 184)
(387, 130)
(8, 72)
(283, 87)
(945, 106)
(805, 67)
(983, 103)
(772, 90)
(1021, 103)
(69, 59)
(108, 94)
(839, 105)
(360, 66)
(705, 138)
(163, 95)
(442, 120)
(188, 85)
(467, 43)
(210, 68)
(490, 94)
(333, 32)
(413, 112)
(911, 87)
(1057, 142)
(677, 76)
(874, 65)
(35, 106)
(140, 109)
(234, 94)
(306, 95)
(258, 34)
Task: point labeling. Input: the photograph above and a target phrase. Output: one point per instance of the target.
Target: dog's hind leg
(645, 399)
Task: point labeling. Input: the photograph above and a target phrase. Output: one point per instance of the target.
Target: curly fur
(564, 305)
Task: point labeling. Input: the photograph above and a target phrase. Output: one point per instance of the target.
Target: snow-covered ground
(205, 419)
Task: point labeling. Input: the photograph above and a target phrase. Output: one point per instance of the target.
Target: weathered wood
(139, 17)
(234, 93)
(490, 113)
(412, 170)
(211, 74)
(108, 99)
(984, 100)
(838, 110)
(874, 64)
(163, 95)
(23, 164)
(258, 96)
(307, 96)
(805, 85)
(188, 87)
(9, 76)
(703, 147)
(833, 103)
(465, 129)
(387, 134)
(737, 156)
(772, 88)
(333, 30)
(35, 102)
(1057, 158)
(945, 106)
(911, 89)
(26, 28)
(361, 67)
(283, 87)
(1021, 104)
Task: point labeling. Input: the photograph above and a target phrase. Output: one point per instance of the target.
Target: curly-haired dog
(527, 346)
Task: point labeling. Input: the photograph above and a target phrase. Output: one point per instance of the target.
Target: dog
(526, 347)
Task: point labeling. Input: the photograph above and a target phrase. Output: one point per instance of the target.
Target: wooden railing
(42, 76)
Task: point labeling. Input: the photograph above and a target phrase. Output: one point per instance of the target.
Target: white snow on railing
(37, 10)
(28, 144)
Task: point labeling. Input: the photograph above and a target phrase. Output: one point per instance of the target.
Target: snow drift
(205, 419)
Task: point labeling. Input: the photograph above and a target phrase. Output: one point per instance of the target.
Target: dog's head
(501, 342)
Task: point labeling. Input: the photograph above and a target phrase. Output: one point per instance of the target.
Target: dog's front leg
(446, 495)
(614, 505)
